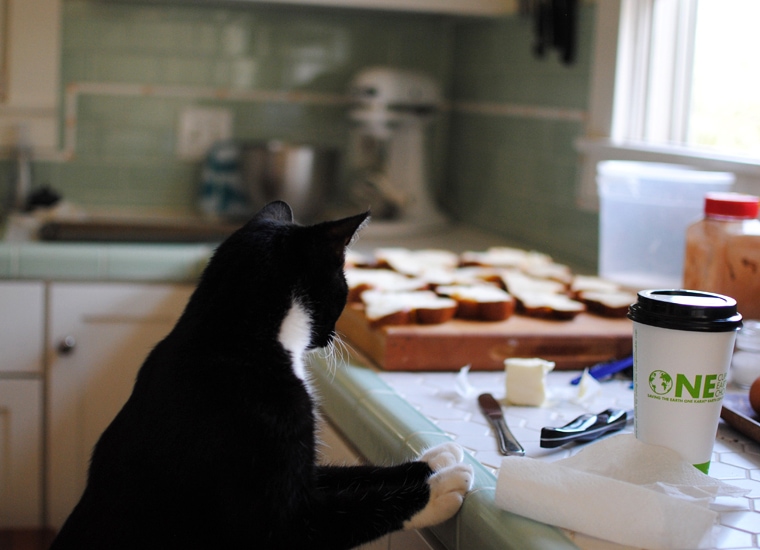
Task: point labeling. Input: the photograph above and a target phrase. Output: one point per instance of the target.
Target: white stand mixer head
(388, 154)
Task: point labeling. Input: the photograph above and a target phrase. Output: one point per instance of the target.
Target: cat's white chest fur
(295, 336)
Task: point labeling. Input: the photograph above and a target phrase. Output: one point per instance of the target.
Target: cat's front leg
(448, 485)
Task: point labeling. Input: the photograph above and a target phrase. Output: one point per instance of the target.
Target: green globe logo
(660, 382)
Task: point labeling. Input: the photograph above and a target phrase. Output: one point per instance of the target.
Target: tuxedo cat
(215, 447)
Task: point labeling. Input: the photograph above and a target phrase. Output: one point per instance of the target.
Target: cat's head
(273, 260)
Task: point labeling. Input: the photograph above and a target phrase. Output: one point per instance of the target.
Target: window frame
(617, 127)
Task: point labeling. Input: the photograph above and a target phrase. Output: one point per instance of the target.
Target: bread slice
(516, 282)
(462, 276)
(549, 270)
(394, 308)
(361, 280)
(480, 302)
(435, 312)
(497, 256)
(547, 305)
(415, 262)
(356, 259)
(591, 283)
(607, 304)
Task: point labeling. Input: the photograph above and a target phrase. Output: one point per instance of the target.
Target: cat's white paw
(443, 455)
(449, 484)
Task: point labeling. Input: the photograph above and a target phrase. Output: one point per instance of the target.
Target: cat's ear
(277, 211)
(341, 232)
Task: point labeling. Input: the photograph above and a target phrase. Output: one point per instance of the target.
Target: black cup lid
(686, 310)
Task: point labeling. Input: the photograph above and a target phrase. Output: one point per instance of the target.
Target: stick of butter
(526, 380)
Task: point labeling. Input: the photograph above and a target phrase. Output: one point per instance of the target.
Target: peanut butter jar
(723, 251)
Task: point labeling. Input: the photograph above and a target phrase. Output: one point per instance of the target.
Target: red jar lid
(734, 205)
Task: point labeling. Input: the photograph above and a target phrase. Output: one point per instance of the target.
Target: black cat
(215, 448)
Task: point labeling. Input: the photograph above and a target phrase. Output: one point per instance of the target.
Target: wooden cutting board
(584, 341)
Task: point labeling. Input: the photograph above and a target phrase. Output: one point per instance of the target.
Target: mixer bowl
(298, 174)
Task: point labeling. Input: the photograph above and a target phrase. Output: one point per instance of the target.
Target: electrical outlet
(199, 128)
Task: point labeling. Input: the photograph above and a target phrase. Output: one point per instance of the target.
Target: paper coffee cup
(682, 346)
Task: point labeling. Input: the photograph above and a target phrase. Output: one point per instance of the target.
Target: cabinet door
(21, 349)
(29, 89)
(20, 453)
(22, 309)
(99, 336)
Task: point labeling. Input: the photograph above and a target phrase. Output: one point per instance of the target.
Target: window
(675, 81)
(725, 93)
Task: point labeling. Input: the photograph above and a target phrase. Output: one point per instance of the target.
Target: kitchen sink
(146, 231)
(85, 227)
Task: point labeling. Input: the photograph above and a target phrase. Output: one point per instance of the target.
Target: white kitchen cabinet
(21, 341)
(29, 86)
(20, 453)
(99, 336)
(22, 314)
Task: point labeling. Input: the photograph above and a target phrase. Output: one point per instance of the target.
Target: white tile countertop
(736, 459)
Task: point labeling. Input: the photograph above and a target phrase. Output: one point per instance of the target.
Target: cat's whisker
(343, 348)
(328, 353)
(336, 352)
(336, 355)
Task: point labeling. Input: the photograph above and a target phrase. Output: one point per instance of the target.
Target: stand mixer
(387, 157)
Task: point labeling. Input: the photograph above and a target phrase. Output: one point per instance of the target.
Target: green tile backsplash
(125, 142)
(509, 173)
(516, 175)
(493, 61)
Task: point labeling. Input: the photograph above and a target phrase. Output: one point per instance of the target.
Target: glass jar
(723, 251)
(745, 364)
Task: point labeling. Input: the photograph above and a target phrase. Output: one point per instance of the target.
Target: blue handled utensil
(608, 368)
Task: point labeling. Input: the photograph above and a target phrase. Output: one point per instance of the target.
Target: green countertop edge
(133, 262)
(386, 429)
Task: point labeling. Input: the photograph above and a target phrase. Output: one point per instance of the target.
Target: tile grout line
(74, 90)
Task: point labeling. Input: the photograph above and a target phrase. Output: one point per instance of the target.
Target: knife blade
(508, 444)
(586, 427)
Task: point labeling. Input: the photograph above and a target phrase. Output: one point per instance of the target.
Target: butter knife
(508, 444)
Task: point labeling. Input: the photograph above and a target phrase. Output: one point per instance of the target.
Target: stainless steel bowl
(298, 174)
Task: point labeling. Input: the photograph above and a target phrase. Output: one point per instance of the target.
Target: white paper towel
(618, 489)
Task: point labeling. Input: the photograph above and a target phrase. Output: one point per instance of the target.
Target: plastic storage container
(723, 250)
(745, 365)
(645, 209)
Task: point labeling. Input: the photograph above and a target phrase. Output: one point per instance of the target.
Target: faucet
(21, 180)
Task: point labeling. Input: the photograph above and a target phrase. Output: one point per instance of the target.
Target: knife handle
(586, 427)
(608, 368)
